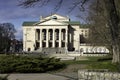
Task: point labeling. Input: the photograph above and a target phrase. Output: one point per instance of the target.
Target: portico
(51, 38)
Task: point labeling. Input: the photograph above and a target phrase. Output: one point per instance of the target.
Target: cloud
(19, 33)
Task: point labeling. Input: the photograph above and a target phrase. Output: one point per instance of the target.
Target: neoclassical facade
(53, 32)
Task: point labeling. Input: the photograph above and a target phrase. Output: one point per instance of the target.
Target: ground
(70, 71)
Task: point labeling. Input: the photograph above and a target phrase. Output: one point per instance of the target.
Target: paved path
(39, 76)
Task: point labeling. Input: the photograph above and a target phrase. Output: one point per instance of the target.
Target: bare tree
(73, 4)
(99, 29)
(104, 19)
(7, 31)
(113, 21)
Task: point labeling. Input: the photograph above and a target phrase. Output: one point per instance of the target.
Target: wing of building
(54, 33)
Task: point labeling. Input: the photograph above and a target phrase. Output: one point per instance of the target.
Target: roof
(84, 26)
(32, 23)
(73, 22)
(29, 23)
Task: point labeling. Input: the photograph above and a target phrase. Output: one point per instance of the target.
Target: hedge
(25, 64)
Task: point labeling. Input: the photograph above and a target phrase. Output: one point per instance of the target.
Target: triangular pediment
(56, 15)
(51, 22)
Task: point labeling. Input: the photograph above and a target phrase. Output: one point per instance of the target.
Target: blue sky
(11, 12)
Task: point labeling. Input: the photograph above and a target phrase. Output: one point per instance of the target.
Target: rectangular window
(63, 36)
(57, 36)
(50, 35)
(44, 36)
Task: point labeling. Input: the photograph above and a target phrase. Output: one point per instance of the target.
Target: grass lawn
(103, 63)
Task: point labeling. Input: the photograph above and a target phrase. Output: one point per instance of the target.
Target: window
(57, 36)
(82, 30)
(54, 17)
(63, 36)
(86, 31)
(86, 35)
(50, 35)
(44, 35)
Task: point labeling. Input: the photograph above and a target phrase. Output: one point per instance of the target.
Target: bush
(104, 59)
(20, 64)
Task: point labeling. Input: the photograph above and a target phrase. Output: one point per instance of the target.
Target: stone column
(40, 38)
(59, 38)
(66, 39)
(53, 38)
(66, 36)
(47, 38)
(35, 34)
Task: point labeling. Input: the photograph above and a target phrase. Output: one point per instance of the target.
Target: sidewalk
(36, 76)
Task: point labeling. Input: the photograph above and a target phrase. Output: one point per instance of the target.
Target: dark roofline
(29, 23)
(84, 25)
(72, 22)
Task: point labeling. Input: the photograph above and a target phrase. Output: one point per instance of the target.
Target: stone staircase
(62, 56)
(37, 51)
(59, 53)
(51, 50)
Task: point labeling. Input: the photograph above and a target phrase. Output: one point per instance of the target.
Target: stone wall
(94, 75)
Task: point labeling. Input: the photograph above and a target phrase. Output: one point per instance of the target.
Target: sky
(12, 13)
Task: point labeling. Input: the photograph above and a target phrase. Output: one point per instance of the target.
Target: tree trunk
(113, 21)
(116, 56)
